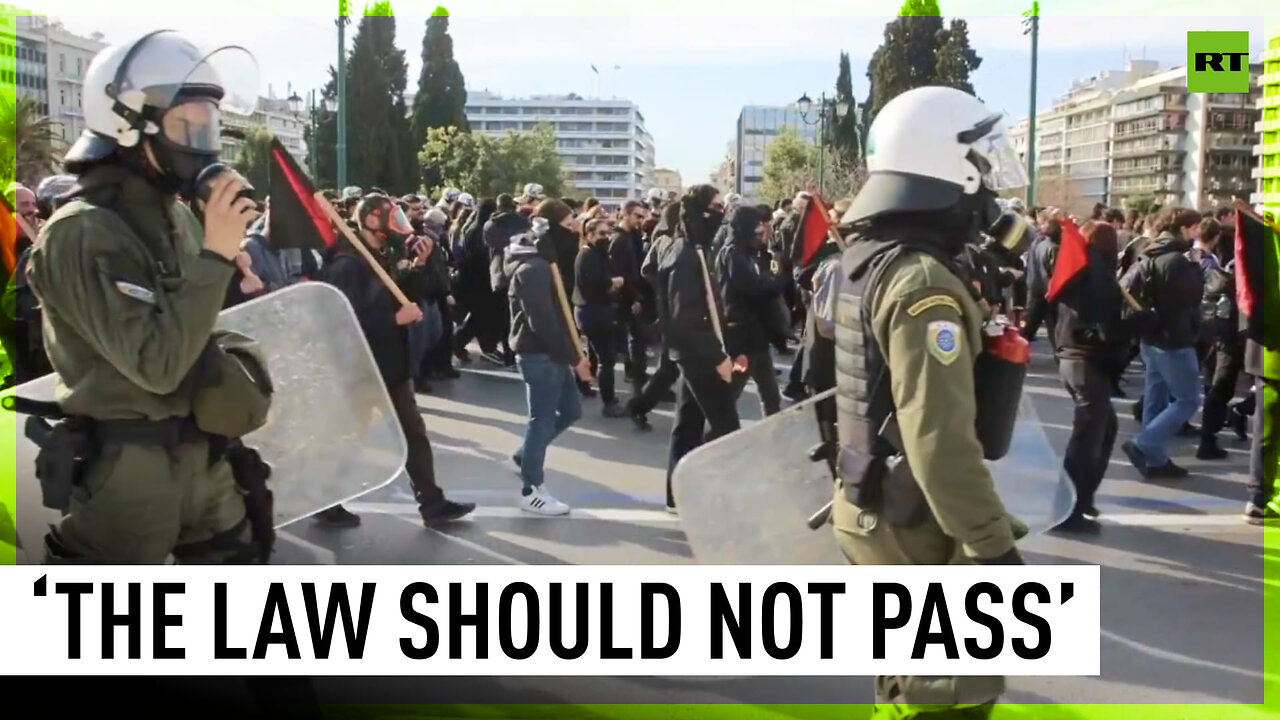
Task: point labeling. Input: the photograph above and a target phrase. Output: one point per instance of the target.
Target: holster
(251, 474)
(884, 484)
(66, 450)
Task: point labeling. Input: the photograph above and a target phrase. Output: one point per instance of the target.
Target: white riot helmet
(929, 147)
(467, 201)
(655, 195)
(164, 87)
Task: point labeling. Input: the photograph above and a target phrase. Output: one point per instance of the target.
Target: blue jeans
(1172, 397)
(551, 391)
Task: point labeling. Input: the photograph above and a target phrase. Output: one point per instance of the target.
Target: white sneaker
(540, 502)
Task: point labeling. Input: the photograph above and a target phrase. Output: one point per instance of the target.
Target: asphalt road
(1182, 576)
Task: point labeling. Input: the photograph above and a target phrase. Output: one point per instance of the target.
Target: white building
(758, 127)
(273, 114)
(1139, 133)
(1266, 170)
(725, 176)
(667, 181)
(50, 67)
(603, 145)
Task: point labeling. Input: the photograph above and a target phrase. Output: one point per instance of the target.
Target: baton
(819, 518)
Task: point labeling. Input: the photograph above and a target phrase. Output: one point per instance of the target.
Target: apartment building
(273, 114)
(50, 64)
(668, 181)
(1138, 133)
(1266, 166)
(725, 176)
(603, 145)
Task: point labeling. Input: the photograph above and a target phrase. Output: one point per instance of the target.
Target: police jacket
(129, 297)
(908, 337)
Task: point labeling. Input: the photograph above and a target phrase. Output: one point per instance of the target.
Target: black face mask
(179, 167)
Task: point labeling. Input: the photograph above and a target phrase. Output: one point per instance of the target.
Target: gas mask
(187, 144)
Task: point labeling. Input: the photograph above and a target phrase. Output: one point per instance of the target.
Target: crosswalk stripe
(619, 515)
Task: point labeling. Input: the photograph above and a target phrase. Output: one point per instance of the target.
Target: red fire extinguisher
(999, 375)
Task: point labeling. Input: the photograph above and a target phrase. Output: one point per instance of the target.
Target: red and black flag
(1257, 288)
(815, 227)
(1073, 257)
(296, 219)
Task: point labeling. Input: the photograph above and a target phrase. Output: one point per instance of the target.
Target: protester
(505, 223)
(750, 297)
(545, 355)
(626, 250)
(595, 294)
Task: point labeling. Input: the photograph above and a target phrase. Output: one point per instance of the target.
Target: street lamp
(313, 112)
(839, 109)
(295, 104)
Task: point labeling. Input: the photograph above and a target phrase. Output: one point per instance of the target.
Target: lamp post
(342, 100)
(313, 112)
(838, 109)
(1032, 28)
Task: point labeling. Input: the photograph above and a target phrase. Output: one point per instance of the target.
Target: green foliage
(344, 8)
(379, 9)
(919, 50)
(440, 11)
(846, 136)
(486, 166)
(254, 158)
(29, 145)
(1144, 204)
(442, 94)
(790, 165)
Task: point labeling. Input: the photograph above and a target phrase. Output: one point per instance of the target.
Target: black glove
(1010, 558)
(251, 474)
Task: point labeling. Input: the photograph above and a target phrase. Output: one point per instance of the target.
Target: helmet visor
(1006, 171)
(167, 69)
(194, 124)
(398, 223)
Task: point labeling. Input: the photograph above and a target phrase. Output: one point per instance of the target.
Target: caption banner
(555, 620)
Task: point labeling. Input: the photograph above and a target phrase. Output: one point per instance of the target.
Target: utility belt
(70, 446)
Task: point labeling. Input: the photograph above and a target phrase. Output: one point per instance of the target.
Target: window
(62, 96)
(79, 67)
(62, 62)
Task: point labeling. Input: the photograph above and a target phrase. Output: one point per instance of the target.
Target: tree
(29, 145)
(486, 166)
(254, 158)
(790, 163)
(442, 95)
(846, 136)
(918, 50)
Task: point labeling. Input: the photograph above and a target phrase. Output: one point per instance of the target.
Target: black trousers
(703, 399)
(660, 382)
(796, 378)
(1221, 374)
(420, 466)
(760, 369)
(1093, 430)
(1265, 451)
(1039, 312)
(604, 356)
(631, 340)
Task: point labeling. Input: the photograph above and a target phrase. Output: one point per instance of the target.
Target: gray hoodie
(537, 321)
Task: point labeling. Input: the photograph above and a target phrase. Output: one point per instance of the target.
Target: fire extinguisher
(999, 374)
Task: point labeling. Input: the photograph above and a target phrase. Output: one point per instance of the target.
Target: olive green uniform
(932, 387)
(125, 319)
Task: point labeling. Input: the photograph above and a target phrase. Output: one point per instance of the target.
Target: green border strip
(8, 423)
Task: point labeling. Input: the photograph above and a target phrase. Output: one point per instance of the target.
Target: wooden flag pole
(359, 245)
(563, 299)
(26, 229)
(713, 309)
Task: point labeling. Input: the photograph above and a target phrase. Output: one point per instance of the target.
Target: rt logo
(1217, 62)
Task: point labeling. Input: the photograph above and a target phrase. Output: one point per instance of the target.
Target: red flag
(1256, 259)
(814, 228)
(1073, 256)
(297, 220)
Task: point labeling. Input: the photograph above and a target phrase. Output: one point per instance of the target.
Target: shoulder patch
(136, 292)
(932, 302)
(943, 340)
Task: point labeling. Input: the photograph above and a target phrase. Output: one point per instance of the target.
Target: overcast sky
(689, 66)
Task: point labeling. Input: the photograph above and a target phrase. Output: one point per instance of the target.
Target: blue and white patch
(943, 340)
(136, 292)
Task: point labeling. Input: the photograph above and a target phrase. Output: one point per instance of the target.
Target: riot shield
(747, 498)
(332, 434)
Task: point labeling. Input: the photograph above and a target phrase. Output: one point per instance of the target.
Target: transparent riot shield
(747, 498)
(332, 434)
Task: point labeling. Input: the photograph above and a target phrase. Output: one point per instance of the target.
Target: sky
(690, 71)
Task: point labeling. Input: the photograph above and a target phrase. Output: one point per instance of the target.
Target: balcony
(70, 78)
(1145, 170)
(1269, 102)
(1270, 78)
(73, 112)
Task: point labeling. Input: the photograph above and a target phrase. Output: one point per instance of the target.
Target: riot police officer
(913, 488)
(130, 284)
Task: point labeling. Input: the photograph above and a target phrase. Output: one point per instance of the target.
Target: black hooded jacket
(1089, 315)
(748, 294)
(593, 293)
(538, 324)
(673, 268)
(497, 236)
(1173, 287)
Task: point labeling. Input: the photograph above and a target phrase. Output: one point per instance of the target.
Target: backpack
(1140, 282)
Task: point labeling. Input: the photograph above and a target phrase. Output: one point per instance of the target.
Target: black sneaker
(1078, 524)
(1136, 457)
(614, 410)
(1255, 515)
(1210, 450)
(586, 390)
(1168, 471)
(1137, 411)
(493, 357)
(1092, 511)
(447, 511)
(639, 419)
(667, 396)
(422, 387)
(449, 373)
(795, 392)
(337, 517)
(463, 355)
